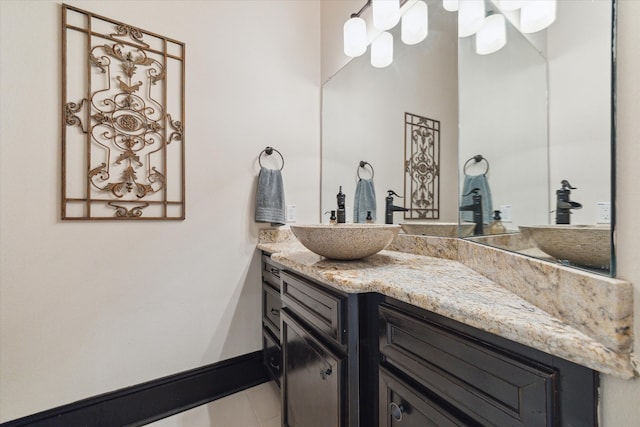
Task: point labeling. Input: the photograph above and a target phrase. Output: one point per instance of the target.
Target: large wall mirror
(530, 126)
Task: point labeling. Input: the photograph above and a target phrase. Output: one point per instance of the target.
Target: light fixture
(386, 13)
(450, 5)
(415, 23)
(492, 36)
(537, 15)
(382, 50)
(471, 15)
(355, 36)
(510, 5)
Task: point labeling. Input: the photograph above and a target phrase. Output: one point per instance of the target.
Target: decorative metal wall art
(422, 167)
(123, 121)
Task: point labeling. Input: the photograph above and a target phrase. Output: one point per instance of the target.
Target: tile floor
(258, 406)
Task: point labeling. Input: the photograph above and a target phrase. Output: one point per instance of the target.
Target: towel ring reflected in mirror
(362, 166)
(477, 159)
(269, 151)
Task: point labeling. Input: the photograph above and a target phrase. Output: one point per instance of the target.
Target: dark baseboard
(150, 401)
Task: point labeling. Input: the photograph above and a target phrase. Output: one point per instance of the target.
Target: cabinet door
(403, 406)
(313, 379)
(272, 356)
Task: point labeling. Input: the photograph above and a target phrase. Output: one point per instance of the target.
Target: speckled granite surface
(480, 298)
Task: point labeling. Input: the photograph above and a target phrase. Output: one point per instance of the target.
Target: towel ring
(362, 165)
(269, 151)
(477, 158)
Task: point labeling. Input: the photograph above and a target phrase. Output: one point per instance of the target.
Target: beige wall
(89, 307)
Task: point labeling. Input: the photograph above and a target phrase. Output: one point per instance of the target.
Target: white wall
(500, 95)
(579, 105)
(89, 307)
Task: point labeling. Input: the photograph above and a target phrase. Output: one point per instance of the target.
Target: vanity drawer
(400, 403)
(270, 272)
(272, 356)
(322, 310)
(271, 309)
(489, 385)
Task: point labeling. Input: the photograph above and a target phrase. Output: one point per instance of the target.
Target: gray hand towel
(364, 200)
(481, 183)
(270, 206)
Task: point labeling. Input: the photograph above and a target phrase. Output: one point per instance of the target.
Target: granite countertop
(452, 289)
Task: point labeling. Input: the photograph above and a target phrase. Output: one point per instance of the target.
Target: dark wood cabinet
(480, 380)
(321, 376)
(476, 378)
(350, 360)
(314, 379)
(271, 305)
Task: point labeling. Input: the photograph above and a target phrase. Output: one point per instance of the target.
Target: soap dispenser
(496, 226)
(342, 214)
(369, 220)
(332, 218)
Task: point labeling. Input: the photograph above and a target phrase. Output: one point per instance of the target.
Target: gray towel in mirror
(270, 205)
(364, 200)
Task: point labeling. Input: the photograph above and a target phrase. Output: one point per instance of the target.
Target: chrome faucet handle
(393, 193)
(566, 186)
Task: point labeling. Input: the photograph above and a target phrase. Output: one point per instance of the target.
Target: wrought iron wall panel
(123, 121)
(422, 167)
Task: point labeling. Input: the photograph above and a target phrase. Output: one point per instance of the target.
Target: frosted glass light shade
(355, 37)
(450, 5)
(470, 17)
(492, 36)
(382, 50)
(386, 13)
(415, 23)
(512, 4)
(537, 15)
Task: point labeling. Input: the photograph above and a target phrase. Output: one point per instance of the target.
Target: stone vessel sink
(345, 241)
(585, 245)
(438, 229)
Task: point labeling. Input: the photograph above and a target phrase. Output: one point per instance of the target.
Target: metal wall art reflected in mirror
(539, 110)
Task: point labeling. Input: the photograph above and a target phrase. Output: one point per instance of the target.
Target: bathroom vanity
(403, 337)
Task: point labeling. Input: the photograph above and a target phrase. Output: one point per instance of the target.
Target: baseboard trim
(153, 400)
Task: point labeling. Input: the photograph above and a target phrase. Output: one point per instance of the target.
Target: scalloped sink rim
(345, 241)
(585, 245)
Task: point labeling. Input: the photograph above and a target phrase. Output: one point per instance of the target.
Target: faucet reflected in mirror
(390, 208)
(564, 203)
(476, 208)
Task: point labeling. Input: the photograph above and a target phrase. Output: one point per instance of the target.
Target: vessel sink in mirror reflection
(345, 241)
(580, 245)
(438, 229)
(522, 108)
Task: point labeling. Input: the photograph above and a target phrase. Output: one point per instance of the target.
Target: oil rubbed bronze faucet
(389, 208)
(476, 208)
(564, 203)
